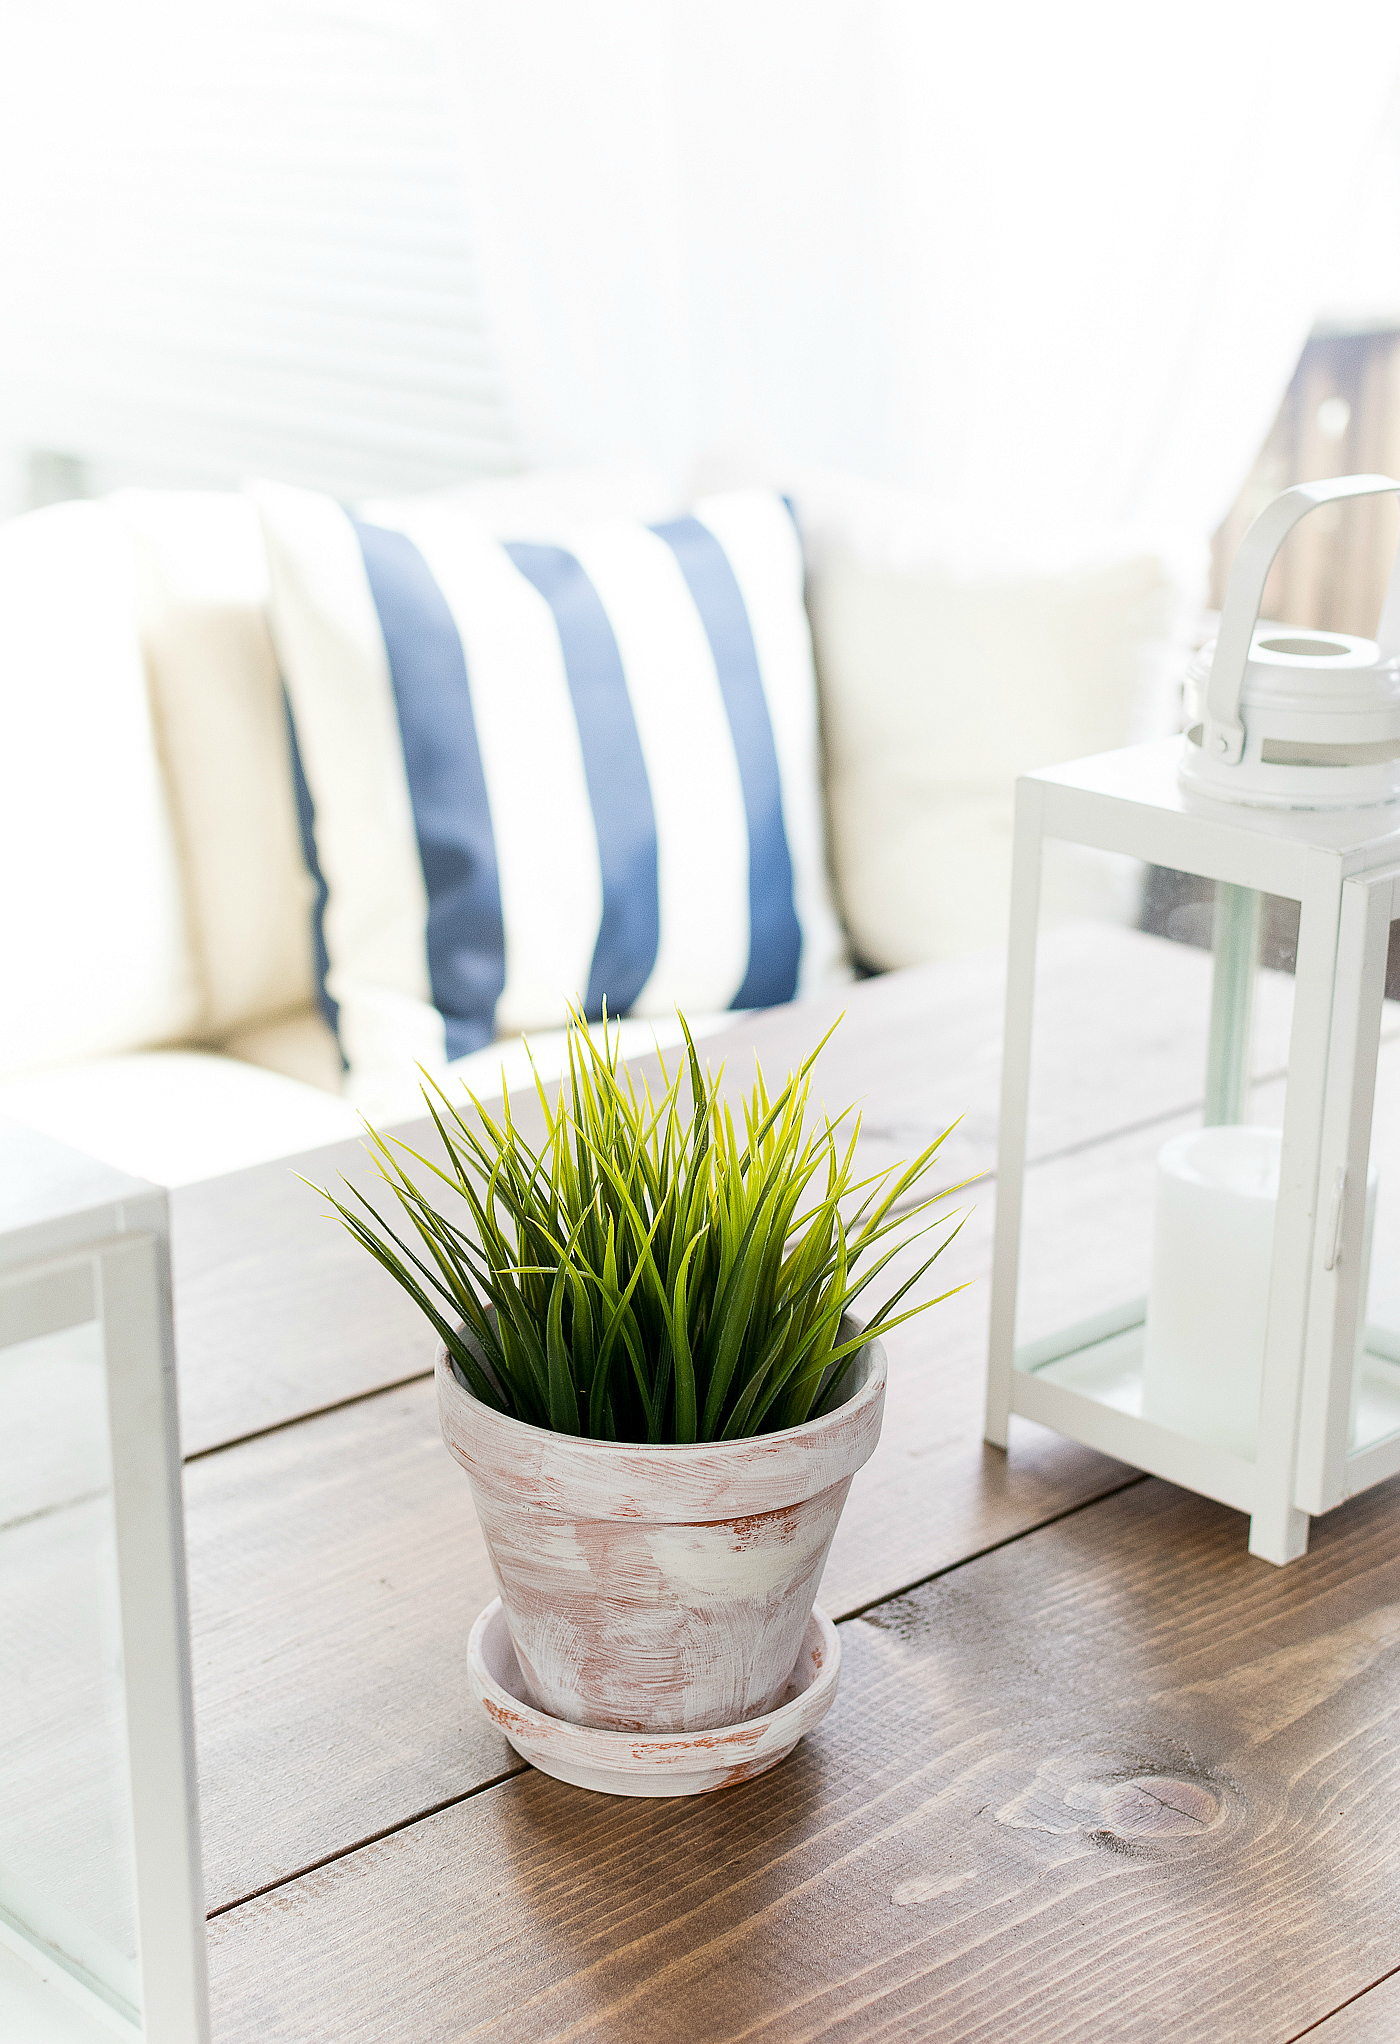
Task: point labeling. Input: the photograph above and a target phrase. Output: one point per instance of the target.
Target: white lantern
(1245, 1366)
(101, 1895)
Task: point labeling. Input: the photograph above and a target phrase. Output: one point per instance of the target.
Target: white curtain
(1047, 263)
(233, 241)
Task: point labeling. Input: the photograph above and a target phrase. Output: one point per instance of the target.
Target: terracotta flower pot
(660, 1589)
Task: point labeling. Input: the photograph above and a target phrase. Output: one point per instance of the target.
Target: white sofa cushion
(217, 696)
(174, 1117)
(949, 663)
(95, 949)
(580, 767)
(301, 1046)
(179, 1115)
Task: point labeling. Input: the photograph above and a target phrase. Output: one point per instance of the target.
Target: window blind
(235, 241)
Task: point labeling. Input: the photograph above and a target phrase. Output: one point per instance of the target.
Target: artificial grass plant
(649, 1272)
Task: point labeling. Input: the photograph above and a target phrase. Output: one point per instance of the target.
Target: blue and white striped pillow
(579, 767)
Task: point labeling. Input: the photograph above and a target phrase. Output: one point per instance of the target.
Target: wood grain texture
(1120, 1038)
(335, 1570)
(279, 1314)
(1117, 1780)
(336, 1567)
(1373, 2018)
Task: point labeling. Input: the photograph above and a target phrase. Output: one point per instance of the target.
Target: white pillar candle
(1368, 1240)
(1208, 1296)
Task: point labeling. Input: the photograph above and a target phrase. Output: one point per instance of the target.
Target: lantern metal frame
(81, 1242)
(1343, 868)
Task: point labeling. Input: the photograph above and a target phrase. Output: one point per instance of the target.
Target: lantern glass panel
(67, 1880)
(1158, 1082)
(1375, 1400)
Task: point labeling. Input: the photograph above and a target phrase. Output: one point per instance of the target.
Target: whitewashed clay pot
(651, 1763)
(660, 1589)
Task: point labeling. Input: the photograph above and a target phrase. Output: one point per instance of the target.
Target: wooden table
(1093, 1772)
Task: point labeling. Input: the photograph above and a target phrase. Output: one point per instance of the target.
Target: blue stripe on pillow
(306, 821)
(775, 934)
(451, 814)
(619, 792)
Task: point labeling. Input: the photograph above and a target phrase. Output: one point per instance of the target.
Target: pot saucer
(650, 1763)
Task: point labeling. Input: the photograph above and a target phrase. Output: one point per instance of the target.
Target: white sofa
(158, 1005)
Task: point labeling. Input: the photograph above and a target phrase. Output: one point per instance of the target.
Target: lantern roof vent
(1289, 718)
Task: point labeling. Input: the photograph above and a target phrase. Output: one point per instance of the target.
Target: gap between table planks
(1372, 2017)
(1118, 1779)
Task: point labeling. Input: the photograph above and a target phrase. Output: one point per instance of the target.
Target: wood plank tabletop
(336, 1566)
(1115, 1780)
(1056, 1797)
(278, 1313)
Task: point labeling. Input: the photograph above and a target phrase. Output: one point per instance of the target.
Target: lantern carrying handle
(1223, 737)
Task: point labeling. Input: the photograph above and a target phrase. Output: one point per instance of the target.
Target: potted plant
(650, 1370)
